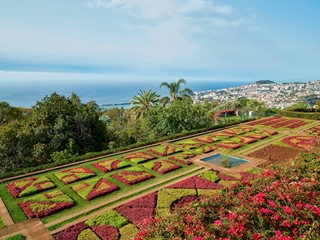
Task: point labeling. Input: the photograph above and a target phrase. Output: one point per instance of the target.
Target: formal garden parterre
(54, 194)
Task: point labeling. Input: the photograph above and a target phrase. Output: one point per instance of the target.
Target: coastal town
(277, 95)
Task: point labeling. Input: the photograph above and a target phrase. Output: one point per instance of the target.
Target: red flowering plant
(281, 203)
(132, 176)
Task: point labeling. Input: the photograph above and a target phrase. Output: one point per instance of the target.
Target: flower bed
(297, 125)
(256, 136)
(139, 157)
(220, 135)
(266, 132)
(46, 204)
(181, 160)
(196, 182)
(139, 216)
(72, 232)
(106, 225)
(205, 149)
(229, 145)
(132, 176)
(164, 150)
(162, 166)
(313, 131)
(188, 144)
(258, 122)
(167, 196)
(242, 139)
(206, 139)
(229, 132)
(243, 129)
(183, 202)
(94, 188)
(74, 174)
(110, 165)
(303, 142)
(29, 186)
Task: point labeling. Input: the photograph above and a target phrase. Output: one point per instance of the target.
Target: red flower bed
(229, 145)
(94, 188)
(164, 150)
(138, 157)
(314, 130)
(267, 132)
(206, 149)
(297, 125)
(226, 177)
(148, 201)
(262, 121)
(46, 204)
(74, 174)
(196, 183)
(106, 232)
(303, 142)
(181, 160)
(48, 208)
(139, 216)
(132, 177)
(183, 201)
(110, 165)
(256, 136)
(72, 232)
(164, 166)
(246, 140)
(206, 139)
(29, 186)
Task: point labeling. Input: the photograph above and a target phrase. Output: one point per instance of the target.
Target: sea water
(27, 93)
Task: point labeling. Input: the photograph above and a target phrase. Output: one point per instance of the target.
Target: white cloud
(155, 9)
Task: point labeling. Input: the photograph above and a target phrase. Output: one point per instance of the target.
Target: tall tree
(144, 101)
(175, 90)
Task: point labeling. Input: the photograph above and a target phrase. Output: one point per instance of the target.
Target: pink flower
(257, 236)
(287, 210)
(272, 204)
(188, 231)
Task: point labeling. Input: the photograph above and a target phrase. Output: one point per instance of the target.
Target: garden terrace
(73, 196)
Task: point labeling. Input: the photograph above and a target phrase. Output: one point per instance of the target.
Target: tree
(175, 91)
(9, 113)
(143, 102)
(178, 117)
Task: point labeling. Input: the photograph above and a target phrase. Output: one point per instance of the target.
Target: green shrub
(111, 218)
(87, 234)
(128, 231)
(16, 237)
(209, 175)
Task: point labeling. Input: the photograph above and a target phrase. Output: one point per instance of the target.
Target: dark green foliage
(306, 115)
(57, 128)
(16, 237)
(180, 116)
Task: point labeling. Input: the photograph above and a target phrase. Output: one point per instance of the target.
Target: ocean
(27, 93)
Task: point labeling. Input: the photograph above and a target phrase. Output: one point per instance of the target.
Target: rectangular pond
(223, 160)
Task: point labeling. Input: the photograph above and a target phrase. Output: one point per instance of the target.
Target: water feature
(223, 160)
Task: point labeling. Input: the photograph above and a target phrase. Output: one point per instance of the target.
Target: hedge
(306, 115)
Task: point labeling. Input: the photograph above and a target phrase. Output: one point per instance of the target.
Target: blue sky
(149, 40)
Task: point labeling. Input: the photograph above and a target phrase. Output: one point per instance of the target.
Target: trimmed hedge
(306, 115)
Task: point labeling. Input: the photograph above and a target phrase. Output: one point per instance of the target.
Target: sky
(149, 40)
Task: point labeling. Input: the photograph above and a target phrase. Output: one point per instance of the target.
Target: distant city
(277, 95)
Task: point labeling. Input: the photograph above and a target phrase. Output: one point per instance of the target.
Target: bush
(16, 237)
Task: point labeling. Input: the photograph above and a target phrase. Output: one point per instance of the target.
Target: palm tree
(175, 90)
(144, 101)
